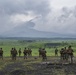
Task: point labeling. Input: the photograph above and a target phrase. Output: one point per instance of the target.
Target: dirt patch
(18, 72)
(2, 72)
(45, 69)
(38, 68)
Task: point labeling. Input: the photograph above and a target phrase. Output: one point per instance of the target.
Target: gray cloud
(9, 8)
(62, 21)
(46, 18)
(22, 6)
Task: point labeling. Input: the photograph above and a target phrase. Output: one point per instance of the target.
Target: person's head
(12, 48)
(19, 48)
(69, 46)
(64, 47)
(1, 48)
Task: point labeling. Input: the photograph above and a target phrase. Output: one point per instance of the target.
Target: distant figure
(29, 52)
(19, 52)
(25, 53)
(62, 54)
(14, 54)
(11, 53)
(70, 53)
(44, 54)
(56, 52)
(40, 52)
(1, 53)
(65, 57)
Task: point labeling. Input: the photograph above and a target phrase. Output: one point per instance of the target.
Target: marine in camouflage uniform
(56, 52)
(14, 54)
(65, 54)
(29, 52)
(62, 54)
(70, 53)
(25, 52)
(11, 53)
(1, 53)
(43, 53)
(40, 52)
(19, 52)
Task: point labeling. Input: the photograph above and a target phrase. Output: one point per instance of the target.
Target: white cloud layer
(58, 4)
(48, 15)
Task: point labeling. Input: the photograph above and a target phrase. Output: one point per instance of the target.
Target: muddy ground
(32, 66)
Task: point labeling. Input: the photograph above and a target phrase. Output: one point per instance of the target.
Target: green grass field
(32, 66)
(7, 44)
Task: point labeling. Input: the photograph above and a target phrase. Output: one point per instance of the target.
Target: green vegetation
(48, 44)
(32, 66)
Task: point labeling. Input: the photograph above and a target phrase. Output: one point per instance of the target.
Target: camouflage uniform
(62, 54)
(65, 54)
(43, 53)
(19, 52)
(70, 53)
(56, 52)
(25, 53)
(14, 54)
(29, 52)
(11, 53)
(1, 53)
(40, 52)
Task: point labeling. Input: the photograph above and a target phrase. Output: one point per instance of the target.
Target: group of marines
(26, 52)
(42, 53)
(65, 53)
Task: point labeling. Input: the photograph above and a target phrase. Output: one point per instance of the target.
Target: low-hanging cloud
(11, 8)
(61, 21)
(45, 18)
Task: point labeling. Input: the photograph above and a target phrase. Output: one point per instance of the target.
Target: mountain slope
(26, 30)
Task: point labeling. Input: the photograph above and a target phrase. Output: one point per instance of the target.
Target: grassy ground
(8, 44)
(50, 52)
(33, 66)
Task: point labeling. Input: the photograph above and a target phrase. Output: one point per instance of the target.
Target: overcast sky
(48, 15)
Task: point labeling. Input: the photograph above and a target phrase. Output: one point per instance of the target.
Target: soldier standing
(40, 52)
(43, 54)
(30, 52)
(70, 53)
(19, 52)
(65, 54)
(25, 53)
(14, 54)
(1, 53)
(62, 54)
(11, 53)
(56, 52)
